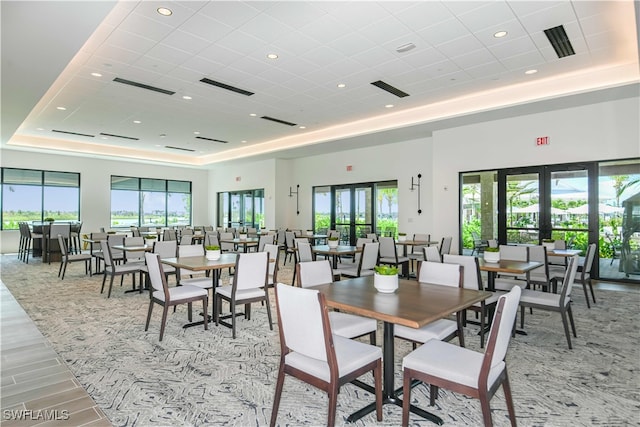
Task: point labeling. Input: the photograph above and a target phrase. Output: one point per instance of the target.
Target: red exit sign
(542, 140)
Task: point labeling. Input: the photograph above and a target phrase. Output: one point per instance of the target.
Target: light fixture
(405, 47)
(413, 187)
(244, 141)
(164, 11)
(60, 108)
(96, 74)
(272, 56)
(388, 106)
(137, 122)
(253, 114)
(500, 34)
(531, 71)
(295, 193)
(341, 85)
(303, 127)
(186, 97)
(195, 132)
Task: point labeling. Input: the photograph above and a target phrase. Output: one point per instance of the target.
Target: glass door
(520, 190)
(241, 209)
(343, 213)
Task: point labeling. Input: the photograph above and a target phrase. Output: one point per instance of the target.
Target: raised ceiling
(120, 79)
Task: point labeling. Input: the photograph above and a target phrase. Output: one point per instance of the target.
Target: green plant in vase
(386, 270)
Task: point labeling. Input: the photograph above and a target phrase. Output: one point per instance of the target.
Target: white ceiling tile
(424, 14)
(323, 55)
(531, 59)
(561, 14)
(513, 28)
(421, 56)
(206, 28)
(358, 15)
(459, 46)
(240, 42)
(168, 54)
(384, 30)
(130, 41)
(486, 70)
(325, 29)
(185, 42)
(526, 7)
(295, 14)
(218, 54)
(153, 65)
(474, 58)
(232, 13)
(352, 44)
(443, 32)
(488, 15)
(150, 29)
(373, 57)
(513, 47)
(266, 29)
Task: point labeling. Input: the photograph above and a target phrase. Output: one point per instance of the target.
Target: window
(33, 195)
(149, 202)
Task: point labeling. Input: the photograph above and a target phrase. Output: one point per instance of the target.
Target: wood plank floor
(37, 387)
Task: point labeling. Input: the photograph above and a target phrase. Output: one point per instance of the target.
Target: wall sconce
(292, 193)
(415, 185)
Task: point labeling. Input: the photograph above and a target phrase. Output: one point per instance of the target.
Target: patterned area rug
(199, 378)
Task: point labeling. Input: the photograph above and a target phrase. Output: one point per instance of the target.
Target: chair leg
(586, 296)
(372, 338)
(521, 317)
(233, 320)
(269, 314)
(104, 279)
(146, 327)
(589, 281)
(486, 408)
(164, 321)
(460, 328)
(563, 314)
(205, 306)
(509, 399)
(63, 266)
(406, 398)
(433, 394)
(573, 325)
(110, 286)
(483, 314)
(276, 398)
(333, 404)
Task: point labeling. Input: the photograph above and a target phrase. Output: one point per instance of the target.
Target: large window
(240, 209)
(149, 202)
(356, 209)
(33, 195)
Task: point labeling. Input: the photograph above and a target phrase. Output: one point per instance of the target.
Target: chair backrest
(265, 239)
(432, 254)
(388, 247)
(372, 236)
(97, 237)
(438, 273)
(211, 239)
(114, 239)
(538, 253)
(312, 273)
(419, 237)
(166, 248)
(186, 232)
(190, 250)
(369, 257)
(445, 245)
(304, 250)
(169, 234)
(290, 238)
(492, 243)
(135, 232)
(63, 247)
(588, 261)
(282, 238)
(106, 253)
(252, 269)
(274, 254)
(156, 275)
(143, 228)
(514, 252)
(472, 279)
(500, 335)
(225, 246)
(134, 255)
(186, 239)
(63, 229)
(569, 278)
(207, 228)
(558, 244)
(304, 324)
(361, 241)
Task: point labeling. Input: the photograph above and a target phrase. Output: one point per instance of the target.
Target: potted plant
(333, 241)
(309, 232)
(550, 244)
(150, 237)
(492, 254)
(212, 252)
(242, 235)
(49, 219)
(385, 278)
(402, 237)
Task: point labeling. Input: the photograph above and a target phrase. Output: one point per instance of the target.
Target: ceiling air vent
(226, 86)
(119, 136)
(560, 41)
(143, 86)
(283, 122)
(212, 139)
(386, 86)
(179, 148)
(72, 133)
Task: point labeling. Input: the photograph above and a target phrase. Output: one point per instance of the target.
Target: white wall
(95, 185)
(609, 130)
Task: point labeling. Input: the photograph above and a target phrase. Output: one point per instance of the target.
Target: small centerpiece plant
(385, 279)
(49, 219)
(550, 244)
(402, 237)
(492, 254)
(212, 252)
(333, 241)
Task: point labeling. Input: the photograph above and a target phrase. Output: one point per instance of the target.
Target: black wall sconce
(292, 193)
(415, 185)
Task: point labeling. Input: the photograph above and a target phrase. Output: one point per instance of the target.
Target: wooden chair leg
(333, 404)
(563, 314)
(406, 398)
(146, 327)
(509, 399)
(164, 320)
(276, 398)
(486, 408)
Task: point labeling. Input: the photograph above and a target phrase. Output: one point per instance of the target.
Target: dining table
(336, 252)
(413, 304)
(406, 243)
(202, 263)
(505, 266)
(245, 242)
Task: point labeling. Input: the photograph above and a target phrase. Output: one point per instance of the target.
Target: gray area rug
(200, 378)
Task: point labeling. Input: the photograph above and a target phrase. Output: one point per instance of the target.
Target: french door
(241, 209)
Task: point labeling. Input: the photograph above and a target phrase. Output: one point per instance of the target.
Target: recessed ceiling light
(186, 97)
(164, 11)
(272, 56)
(244, 141)
(253, 114)
(137, 122)
(303, 127)
(531, 71)
(39, 128)
(388, 106)
(500, 34)
(96, 74)
(61, 108)
(195, 132)
(341, 85)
